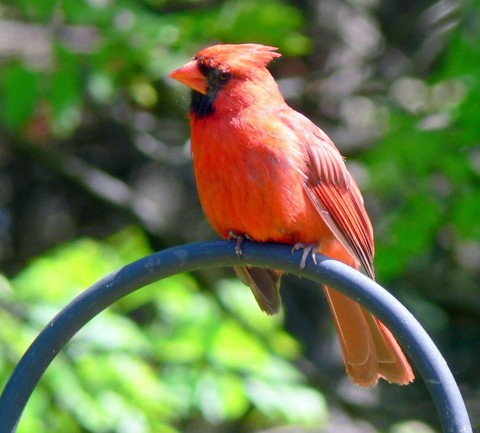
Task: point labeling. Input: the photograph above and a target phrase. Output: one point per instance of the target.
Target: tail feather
(398, 370)
(355, 338)
(369, 349)
(265, 286)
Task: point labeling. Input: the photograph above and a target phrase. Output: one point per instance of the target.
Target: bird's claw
(239, 241)
(307, 249)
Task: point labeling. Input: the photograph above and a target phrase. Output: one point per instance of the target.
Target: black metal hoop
(410, 334)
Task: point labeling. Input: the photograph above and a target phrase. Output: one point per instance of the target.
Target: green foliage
(20, 88)
(425, 168)
(157, 357)
(123, 49)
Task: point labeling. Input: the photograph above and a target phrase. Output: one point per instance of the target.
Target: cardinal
(267, 173)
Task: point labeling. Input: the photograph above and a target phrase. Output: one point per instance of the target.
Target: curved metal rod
(413, 338)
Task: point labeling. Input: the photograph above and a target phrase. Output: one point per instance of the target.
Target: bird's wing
(333, 190)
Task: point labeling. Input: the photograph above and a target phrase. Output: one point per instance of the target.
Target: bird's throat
(202, 105)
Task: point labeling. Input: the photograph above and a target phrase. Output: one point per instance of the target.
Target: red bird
(266, 172)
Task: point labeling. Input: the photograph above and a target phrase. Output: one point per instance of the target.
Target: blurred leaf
(20, 92)
(252, 20)
(221, 397)
(409, 233)
(56, 276)
(66, 94)
(38, 10)
(238, 299)
(237, 349)
(411, 427)
(466, 209)
(296, 403)
(101, 87)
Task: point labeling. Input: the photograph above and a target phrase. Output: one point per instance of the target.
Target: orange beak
(190, 75)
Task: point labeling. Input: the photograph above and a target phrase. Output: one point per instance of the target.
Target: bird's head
(232, 70)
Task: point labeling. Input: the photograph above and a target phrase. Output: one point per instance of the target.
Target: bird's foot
(311, 249)
(239, 241)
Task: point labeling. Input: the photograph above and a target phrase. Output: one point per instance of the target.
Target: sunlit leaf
(221, 396)
(296, 403)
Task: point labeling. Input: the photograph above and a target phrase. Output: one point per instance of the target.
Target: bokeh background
(95, 172)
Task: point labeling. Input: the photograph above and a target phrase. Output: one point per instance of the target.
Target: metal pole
(413, 338)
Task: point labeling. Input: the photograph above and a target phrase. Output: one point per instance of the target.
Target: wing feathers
(348, 220)
(333, 190)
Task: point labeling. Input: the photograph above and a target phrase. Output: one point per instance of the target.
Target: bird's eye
(224, 76)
